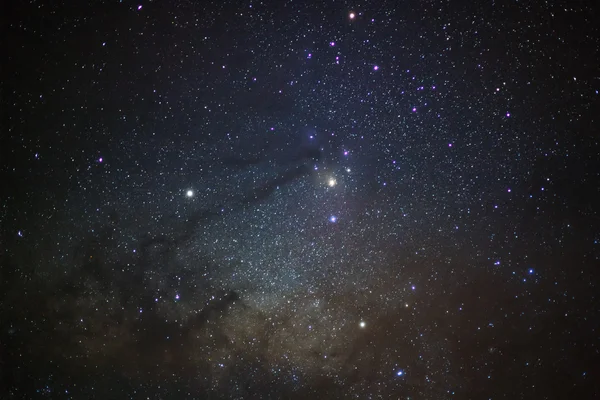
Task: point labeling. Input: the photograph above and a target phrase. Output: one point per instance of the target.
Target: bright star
(400, 373)
(333, 218)
(190, 193)
(332, 182)
(362, 324)
(352, 15)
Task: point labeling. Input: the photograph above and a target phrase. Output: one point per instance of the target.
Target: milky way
(291, 199)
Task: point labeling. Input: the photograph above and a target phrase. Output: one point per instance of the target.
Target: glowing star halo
(331, 182)
(189, 193)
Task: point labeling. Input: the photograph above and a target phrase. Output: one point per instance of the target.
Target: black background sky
(288, 199)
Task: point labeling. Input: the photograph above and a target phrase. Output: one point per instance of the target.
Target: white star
(362, 324)
(332, 182)
(190, 193)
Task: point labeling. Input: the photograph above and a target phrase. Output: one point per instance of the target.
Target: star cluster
(300, 199)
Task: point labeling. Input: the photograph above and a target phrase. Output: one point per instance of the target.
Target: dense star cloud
(264, 200)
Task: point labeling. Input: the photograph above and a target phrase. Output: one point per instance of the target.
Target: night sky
(300, 200)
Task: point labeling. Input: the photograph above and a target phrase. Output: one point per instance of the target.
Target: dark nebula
(300, 200)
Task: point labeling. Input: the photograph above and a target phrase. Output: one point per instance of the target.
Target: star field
(265, 200)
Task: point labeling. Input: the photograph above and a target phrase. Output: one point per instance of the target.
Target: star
(351, 15)
(362, 324)
(332, 182)
(333, 219)
(190, 193)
